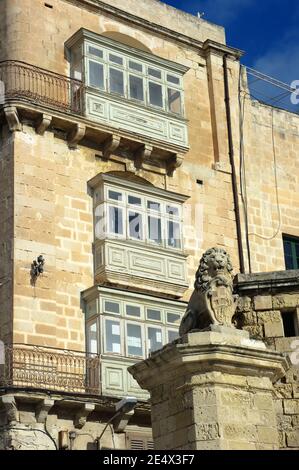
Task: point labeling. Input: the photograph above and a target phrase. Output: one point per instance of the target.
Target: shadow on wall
(127, 40)
(2, 353)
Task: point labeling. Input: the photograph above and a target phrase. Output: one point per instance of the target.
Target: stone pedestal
(213, 390)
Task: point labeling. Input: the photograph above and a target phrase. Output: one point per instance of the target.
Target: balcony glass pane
(173, 230)
(154, 337)
(115, 195)
(116, 81)
(96, 52)
(173, 79)
(134, 340)
(77, 71)
(113, 339)
(100, 221)
(135, 66)
(116, 220)
(153, 314)
(172, 335)
(154, 73)
(136, 88)
(172, 210)
(134, 201)
(154, 229)
(154, 206)
(174, 101)
(96, 74)
(92, 336)
(112, 307)
(135, 225)
(173, 317)
(155, 94)
(133, 311)
(116, 59)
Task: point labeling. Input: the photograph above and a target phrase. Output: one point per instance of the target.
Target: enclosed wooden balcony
(29, 94)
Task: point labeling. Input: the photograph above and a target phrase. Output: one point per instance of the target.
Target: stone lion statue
(212, 302)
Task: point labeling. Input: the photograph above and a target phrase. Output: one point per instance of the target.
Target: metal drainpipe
(232, 162)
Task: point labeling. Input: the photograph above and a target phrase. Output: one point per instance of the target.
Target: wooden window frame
(294, 241)
(125, 68)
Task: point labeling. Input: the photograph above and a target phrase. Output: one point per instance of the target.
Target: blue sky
(267, 30)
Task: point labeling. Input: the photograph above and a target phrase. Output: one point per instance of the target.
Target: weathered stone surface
(286, 301)
(291, 407)
(284, 391)
(204, 432)
(274, 329)
(227, 409)
(284, 423)
(293, 438)
(239, 432)
(255, 331)
(262, 302)
(267, 435)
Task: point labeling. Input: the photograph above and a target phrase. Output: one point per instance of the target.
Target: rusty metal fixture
(43, 368)
(30, 83)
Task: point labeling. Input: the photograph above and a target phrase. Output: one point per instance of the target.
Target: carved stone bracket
(121, 421)
(12, 118)
(110, 145)
(42, 410)
(10, 406)
(43, 124)
(130, 165)
(174, 163)
(82, 414)
(75, 135)
(142, 154)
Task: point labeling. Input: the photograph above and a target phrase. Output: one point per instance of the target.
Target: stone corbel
(42, 410)
(110, 145)
(121, 421)
(75, 135)
(142, 154)
(130, 165)
(174, 163)
(43, 124)
(10, 406)
(12, 118)
(82, 414)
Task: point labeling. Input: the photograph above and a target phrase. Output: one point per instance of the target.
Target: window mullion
(294, 254)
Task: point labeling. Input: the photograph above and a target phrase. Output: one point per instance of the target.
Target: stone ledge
(210, 351)
(273, 282)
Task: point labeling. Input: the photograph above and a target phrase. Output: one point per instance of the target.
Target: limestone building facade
(119, 166)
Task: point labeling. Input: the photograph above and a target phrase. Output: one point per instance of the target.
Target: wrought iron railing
(36, 367)
(31, 83)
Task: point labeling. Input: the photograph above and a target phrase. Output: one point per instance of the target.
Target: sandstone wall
(6, 233)
(31, 22)
(271, 181)
(261, 308)
(53, 210)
